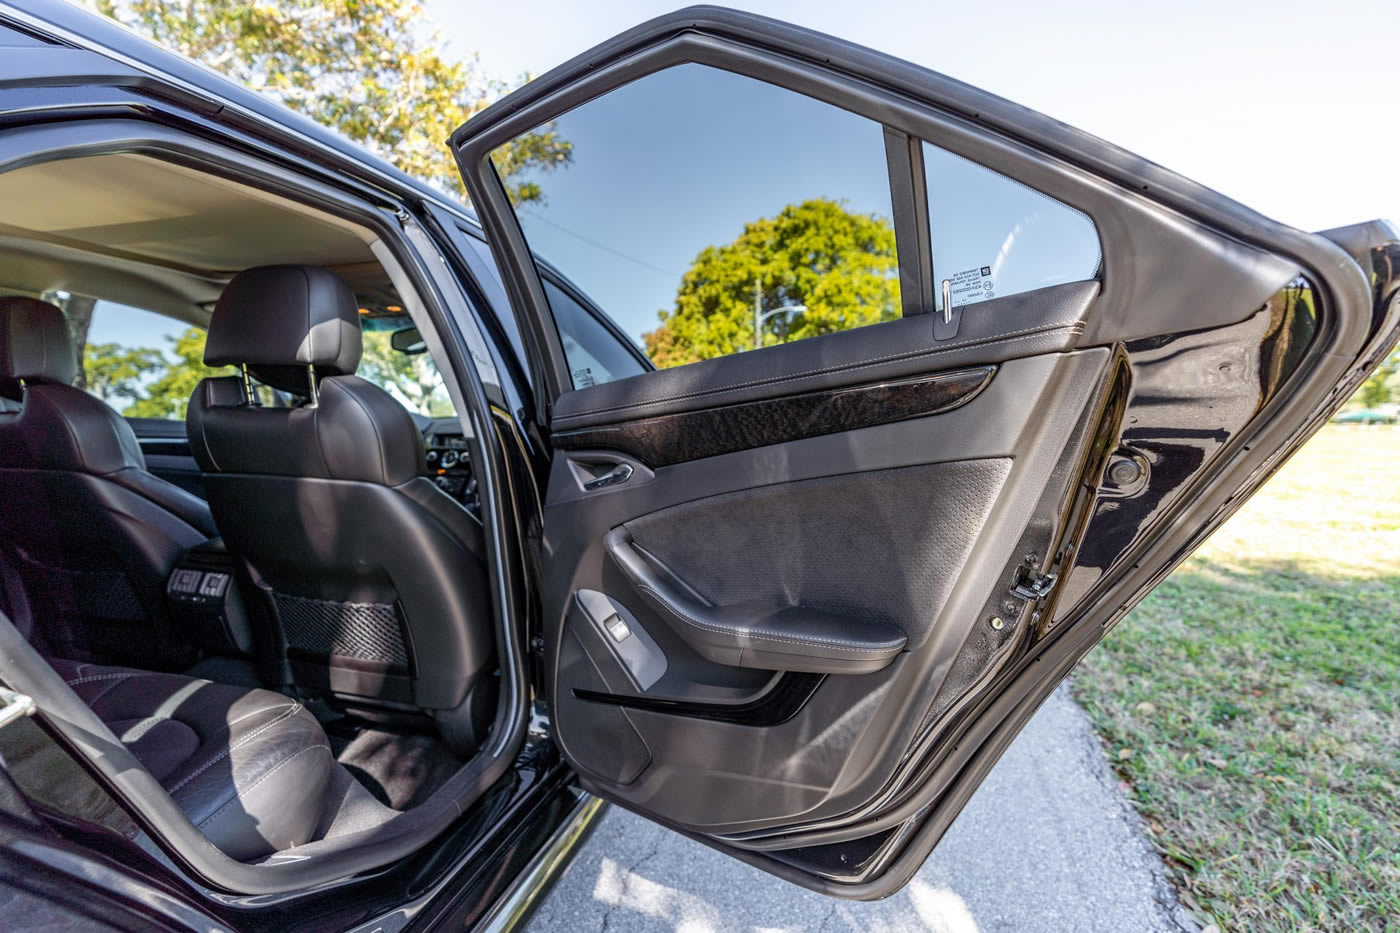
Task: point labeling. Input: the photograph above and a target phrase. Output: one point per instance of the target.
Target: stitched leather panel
(357, 432)
(258, 765)
(34, 341)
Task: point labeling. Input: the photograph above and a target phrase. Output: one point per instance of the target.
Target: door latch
(14, 706)
(1031, 585)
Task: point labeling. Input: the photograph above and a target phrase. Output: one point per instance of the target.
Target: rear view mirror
(408, 341)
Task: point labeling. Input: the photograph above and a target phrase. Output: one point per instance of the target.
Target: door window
(402, 366)
(709, 213)
(993, 236)
(143, 364)
(595, 353)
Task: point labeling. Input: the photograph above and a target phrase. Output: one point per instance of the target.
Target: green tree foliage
(115, 372)
(77, 311)
(412, 379)
(840, 265)
(181, 369)
(1377, 389)
(367, 68)
(158, 384)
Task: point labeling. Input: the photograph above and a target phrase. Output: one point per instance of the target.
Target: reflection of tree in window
(839, 266)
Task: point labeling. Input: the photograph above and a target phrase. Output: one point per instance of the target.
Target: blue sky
(1286, 106)
(723, 151)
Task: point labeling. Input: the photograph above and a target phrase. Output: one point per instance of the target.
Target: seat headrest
(34, 342)
(277, 319)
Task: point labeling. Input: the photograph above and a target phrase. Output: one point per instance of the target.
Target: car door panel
(1044, 321)
(664, 439)
(166, 448)
(796, 601)
(935, 484)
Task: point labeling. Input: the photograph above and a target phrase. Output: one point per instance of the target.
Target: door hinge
(1032, 585)
(14, 706)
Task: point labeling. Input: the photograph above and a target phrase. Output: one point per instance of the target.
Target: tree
(840, 265)
(168, 395)
(116, 372)
(77, 312)
(367, 68)
(1376, 390)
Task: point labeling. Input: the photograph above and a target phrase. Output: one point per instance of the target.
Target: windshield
(402, 367)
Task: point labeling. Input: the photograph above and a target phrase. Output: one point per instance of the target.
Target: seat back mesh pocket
(326, 628)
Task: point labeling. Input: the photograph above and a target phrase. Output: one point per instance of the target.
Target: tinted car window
(709, 213)
(992, 236)
(143, 364)
(13, 38)
(595, 354)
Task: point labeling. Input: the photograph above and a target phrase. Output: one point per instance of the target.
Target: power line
(602, 246)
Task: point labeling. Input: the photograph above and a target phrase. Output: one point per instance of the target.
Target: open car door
(960, 384)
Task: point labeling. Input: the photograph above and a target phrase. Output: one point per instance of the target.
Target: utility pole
(759, 316)
(757, 313)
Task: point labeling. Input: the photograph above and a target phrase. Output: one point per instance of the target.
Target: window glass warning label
(972, 285)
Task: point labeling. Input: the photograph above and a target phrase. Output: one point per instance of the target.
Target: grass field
(1252, 702)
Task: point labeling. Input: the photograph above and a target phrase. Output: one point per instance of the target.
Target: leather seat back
(373, 578)
(87, 535)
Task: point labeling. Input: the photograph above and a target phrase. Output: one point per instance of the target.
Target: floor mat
(399, 770)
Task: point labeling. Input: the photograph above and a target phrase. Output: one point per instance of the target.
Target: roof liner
(134, 229)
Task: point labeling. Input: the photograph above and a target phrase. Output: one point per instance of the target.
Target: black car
(402, 556)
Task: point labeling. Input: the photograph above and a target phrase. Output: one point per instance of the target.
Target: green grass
(1252, 703)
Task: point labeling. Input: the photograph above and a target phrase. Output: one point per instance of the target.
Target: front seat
(87, 536)
(373, 578)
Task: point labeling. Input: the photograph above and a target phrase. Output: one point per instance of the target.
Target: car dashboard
(448, 457)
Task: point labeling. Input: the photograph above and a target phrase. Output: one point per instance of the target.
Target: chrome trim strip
(532, 884)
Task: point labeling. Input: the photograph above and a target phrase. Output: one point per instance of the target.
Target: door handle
(618, 474)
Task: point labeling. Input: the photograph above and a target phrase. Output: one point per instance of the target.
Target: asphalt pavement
(1048, 843)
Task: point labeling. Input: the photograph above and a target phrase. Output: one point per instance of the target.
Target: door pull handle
(618, 474)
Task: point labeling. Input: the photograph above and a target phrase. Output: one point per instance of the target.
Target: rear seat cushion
(251, 768)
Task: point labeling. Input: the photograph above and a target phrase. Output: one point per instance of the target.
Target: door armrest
(758, 634)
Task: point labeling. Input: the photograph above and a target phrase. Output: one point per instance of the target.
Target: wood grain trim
(667, 439)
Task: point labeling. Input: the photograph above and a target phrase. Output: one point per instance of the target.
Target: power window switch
(617, 628)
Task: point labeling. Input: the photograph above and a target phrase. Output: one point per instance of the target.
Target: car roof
(71, 25)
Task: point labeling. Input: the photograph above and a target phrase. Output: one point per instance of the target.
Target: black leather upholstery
(91, 535)
(334, 440)
(372, 577)
(279, 319)
(34, 342)
(250, 768)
